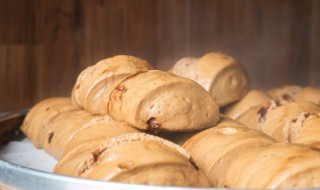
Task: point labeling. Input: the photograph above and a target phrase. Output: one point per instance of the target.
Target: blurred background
(44, 44)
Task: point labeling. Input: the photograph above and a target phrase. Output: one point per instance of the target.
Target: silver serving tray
(13, 176)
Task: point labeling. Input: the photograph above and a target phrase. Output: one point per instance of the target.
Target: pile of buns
(126, 122)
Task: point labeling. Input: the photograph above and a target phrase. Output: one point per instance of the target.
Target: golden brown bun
(213, 149)
(277, 121)
(309, 93)
(239, 157)
(135, 158)
(255, 117)
(161, 101)
(251, 118)
(95, 84)
(275, 166)
(98, 128)
(309, 131)
(222, 76)
(251, 99)
(294, 122)
(62, 129)
(41, 115)
(87, 140)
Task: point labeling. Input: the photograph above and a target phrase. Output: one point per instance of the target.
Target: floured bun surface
(222, 76)
(40, 116)
(160, 101)
(137, 158)
(95, 84)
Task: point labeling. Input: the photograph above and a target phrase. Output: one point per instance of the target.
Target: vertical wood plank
(119, 27)
(314, 38)
(44, 44)
(62, 40)
(172, 41)
(13, 72)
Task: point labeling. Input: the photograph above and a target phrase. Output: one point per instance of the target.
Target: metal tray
(13, 176)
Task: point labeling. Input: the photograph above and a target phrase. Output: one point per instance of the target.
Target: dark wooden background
(44, 44)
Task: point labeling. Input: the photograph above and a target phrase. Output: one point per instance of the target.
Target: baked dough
(41, 115)
(181, 137)
(161, 101)
(62, 129)
(285, 122)
(99, 128)
(95, 84)
(251, 99)
(222, 76)
(234, 156)
(277, 166)
(214, 149)
(124, 88)
(120, 159)
(309, 93)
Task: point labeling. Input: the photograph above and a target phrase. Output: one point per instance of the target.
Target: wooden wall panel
(274, 39)
(314, 38)
(172, 24)
(44, 44)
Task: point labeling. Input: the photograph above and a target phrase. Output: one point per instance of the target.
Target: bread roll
(213, 149)
(62, 129)
(97, 129)
(309, 93)
(133, 158)
(41, 115)
(277, 166)
(160, 101)
(234, 156)
(308, 130)
(222, 76)
(95, 84)
(85, 141)
(251, 99)
(277, 121)
(123, 88)
(254, 118)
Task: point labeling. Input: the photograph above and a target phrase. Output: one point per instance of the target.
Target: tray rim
(35, 179)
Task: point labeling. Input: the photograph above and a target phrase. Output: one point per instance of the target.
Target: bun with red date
(124, 88)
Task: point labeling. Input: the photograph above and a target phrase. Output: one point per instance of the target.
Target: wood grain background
(44, 44)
